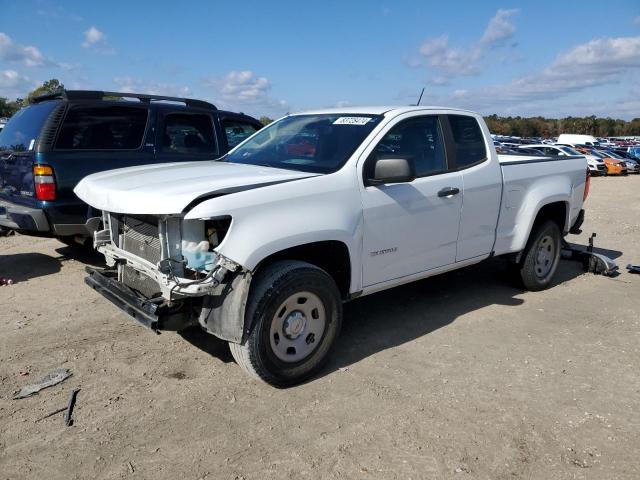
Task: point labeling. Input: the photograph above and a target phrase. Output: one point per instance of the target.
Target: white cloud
(26, 55)
(448, 62)
(244, 87)
(13, 84)
(500, 29)
(438, 81)
(96, 40)
(460, 93)
(603, 61)
(93, 36)
(129, 84)
(245, 90)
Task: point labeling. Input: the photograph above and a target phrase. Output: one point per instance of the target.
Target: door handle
(448, 192)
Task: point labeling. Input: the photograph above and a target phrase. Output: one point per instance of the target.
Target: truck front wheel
(296, 314)
(541, 256)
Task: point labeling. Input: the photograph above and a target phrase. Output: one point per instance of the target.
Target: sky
(546, 58)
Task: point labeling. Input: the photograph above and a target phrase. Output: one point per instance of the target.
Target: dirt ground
(458, 376)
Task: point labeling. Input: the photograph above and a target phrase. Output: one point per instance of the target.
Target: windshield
(570, 151)
(611, 154)
(22, 130)
(310, 143)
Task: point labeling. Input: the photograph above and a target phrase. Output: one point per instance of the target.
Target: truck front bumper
(143, 311)
(18, 217)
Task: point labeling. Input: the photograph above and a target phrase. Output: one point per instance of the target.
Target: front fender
(271, 219)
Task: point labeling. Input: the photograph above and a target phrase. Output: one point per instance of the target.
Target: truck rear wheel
(541, 256)
(296, 313)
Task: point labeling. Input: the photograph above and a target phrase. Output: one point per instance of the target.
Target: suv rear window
(237, 132)
(22, 130)
(188, 133)
(468, 140)
(103, 127)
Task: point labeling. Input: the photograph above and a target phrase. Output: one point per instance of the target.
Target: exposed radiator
(142, 240)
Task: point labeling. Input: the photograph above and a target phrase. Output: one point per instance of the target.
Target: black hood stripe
(241, 188)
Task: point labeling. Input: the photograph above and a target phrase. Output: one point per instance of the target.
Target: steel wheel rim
(545, 256)
(297, 327)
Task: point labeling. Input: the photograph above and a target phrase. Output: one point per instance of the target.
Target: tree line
(510, 126)
(552, 127)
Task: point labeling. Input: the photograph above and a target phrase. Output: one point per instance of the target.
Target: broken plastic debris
(68, 419)
(49, 380)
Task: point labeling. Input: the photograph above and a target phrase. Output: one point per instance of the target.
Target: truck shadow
(21, 267)
(393, 317)
(399, 315)
(206, 342)
(86, 255)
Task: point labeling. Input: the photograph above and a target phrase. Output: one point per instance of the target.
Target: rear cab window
(188, 133)
(23, 129)
(103, 127)
(468, 141)
(237, 131)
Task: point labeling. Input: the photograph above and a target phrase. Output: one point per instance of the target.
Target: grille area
(141, 239)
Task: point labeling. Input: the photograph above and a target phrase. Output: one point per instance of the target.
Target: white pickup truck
(261, 247)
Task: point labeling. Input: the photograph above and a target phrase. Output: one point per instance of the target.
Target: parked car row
(609, 159)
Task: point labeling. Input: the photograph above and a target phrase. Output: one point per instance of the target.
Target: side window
(103, 127)
(418, 139)
(468, 141)
(551, 151)
(188, 133)
(236, 131)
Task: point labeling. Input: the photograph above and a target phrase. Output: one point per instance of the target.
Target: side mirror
(392, 170)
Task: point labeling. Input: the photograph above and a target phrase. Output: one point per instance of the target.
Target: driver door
(411, 227)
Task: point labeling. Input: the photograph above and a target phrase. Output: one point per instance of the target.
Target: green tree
(50, 86)
(265, 120)
(8, 108)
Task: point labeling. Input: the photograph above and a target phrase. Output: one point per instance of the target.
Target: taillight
(44, 182)
(587, 184)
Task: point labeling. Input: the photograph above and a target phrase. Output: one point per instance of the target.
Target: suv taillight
(587, 184)
(44, 182)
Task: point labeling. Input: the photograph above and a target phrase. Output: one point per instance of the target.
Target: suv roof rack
(99, 95)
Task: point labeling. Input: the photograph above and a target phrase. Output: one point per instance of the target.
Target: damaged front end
(166, 273)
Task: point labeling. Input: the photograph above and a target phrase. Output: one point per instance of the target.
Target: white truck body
(394, 233)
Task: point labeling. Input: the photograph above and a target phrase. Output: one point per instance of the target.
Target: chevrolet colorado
(261, 247)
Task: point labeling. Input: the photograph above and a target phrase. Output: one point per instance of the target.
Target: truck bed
(528, 182)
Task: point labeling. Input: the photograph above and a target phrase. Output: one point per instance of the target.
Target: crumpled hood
(170, 187)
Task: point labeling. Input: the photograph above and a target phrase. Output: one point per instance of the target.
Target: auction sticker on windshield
(351, 120)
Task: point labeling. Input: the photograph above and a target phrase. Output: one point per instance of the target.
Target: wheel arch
(223, 314)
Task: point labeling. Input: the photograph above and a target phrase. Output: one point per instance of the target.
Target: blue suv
(49, 146)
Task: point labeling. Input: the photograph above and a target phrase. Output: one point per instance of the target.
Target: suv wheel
(296, 313)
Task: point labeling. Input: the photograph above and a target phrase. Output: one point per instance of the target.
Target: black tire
(541, 256)
(272, 289)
